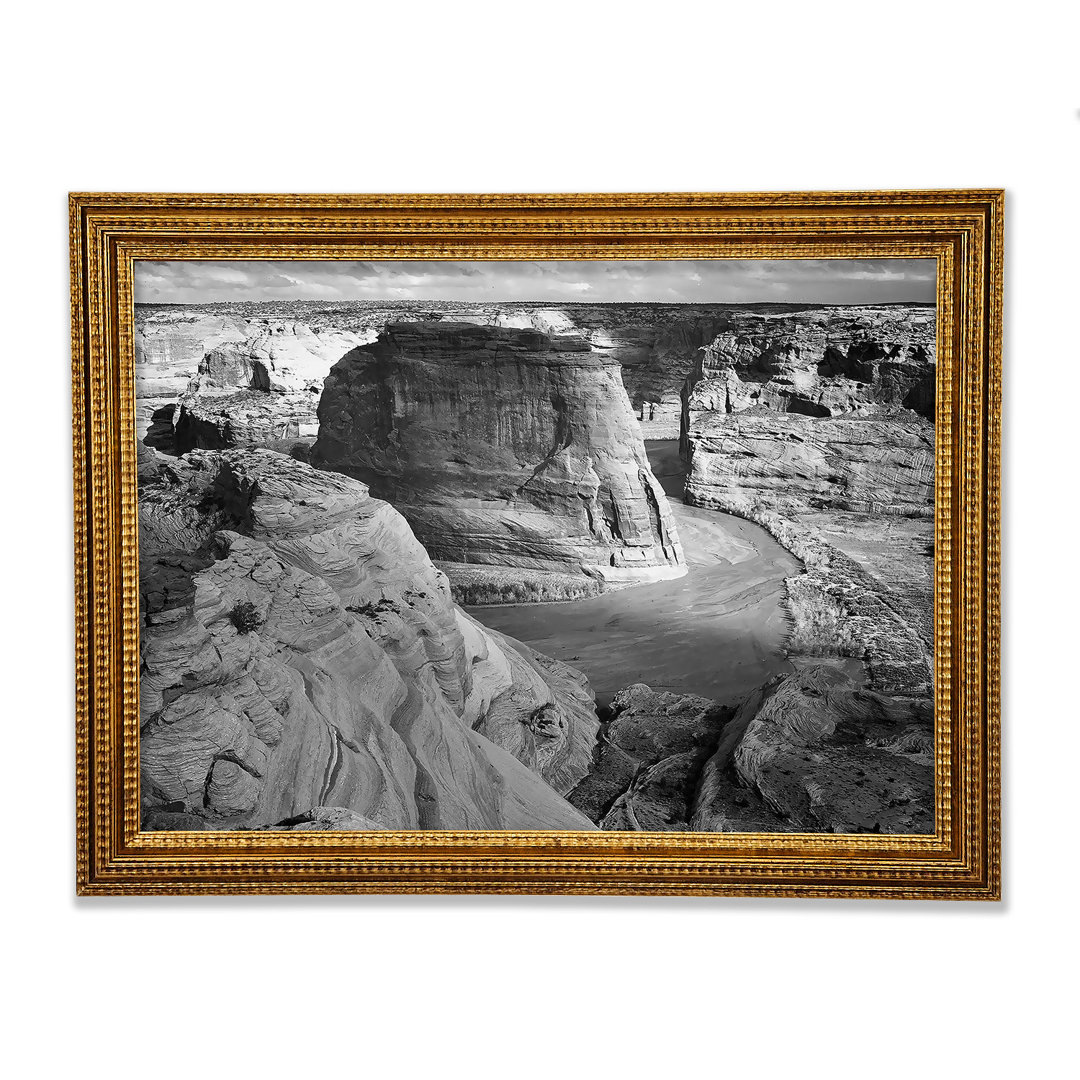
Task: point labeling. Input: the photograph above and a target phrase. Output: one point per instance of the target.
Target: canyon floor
(718, 632)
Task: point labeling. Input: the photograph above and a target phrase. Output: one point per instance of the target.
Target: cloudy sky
(843, 281)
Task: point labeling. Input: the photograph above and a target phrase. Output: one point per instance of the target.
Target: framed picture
(538, 543)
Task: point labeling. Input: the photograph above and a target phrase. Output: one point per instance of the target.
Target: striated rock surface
(502, 446)
(280, 355)
(171, 341)
(818, 754)
(824, 361)
(292, 345)
(747, 400)
(818, 425)
(871, 465)
(199, 363)
(303, 664)
(807, 752)
(286, 422)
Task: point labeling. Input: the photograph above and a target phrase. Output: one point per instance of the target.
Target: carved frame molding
(961, 229)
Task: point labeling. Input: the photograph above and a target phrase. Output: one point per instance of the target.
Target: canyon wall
(501, 446)
(303, 665)
(237, 374)
(818, 425)
(872, 465)
(864, 376)
(220, 348)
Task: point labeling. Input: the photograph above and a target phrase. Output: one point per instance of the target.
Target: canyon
(733, 503)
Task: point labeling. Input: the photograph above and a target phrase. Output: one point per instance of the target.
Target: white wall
(537, 97)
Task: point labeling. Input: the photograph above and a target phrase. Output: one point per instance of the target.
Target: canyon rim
(573, 545)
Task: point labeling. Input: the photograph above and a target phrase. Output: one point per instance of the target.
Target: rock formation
(746, 401)
(280, 354)
(807, 752)
(624, 789)
(206, 371)
(247, 418)
(503, 447)
(817, 754)
(867, 464)
(292, 345)
(818, 425)
(304, 666)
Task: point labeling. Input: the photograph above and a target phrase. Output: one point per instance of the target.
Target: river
(719, 631)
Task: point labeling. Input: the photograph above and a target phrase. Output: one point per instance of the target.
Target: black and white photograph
(618, 545)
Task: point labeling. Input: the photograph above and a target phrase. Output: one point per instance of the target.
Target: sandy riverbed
(719, 631)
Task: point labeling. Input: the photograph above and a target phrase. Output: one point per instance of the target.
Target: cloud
(688, 280)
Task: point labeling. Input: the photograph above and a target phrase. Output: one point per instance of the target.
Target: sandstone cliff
(818, 425)
(824, 361)
(302, 663)
(502, 446)
(748, 397)
(256, 380)
(871, 465)
(291, 344)
(247, 418)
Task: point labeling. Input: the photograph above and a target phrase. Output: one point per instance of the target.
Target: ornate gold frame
(962, 230)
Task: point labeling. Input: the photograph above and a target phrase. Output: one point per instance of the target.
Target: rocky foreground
(806, 753)
(300, 651)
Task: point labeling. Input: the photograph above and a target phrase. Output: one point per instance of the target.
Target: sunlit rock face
(170, 343)
(300, 652)
(278, 355)
(217, 380)
(501, 446)
(825, 408)
(818, 425)
(820, 362)
(863, 464)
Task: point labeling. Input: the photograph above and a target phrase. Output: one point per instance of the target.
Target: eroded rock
(806, 752)
(300, 650)
(504, 447)
(818, 753)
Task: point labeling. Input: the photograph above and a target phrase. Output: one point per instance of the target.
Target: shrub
(244, 616)
(475, 593)
(821, 625)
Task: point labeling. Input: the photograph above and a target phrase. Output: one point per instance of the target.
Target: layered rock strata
(189, 360)
(828, 361)
(866, 464)
(292, 344)
(286, 422)
(864, 376)
(304, 666)
(502, 447)
(818, 426)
